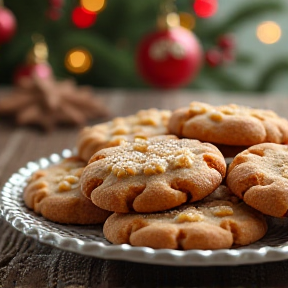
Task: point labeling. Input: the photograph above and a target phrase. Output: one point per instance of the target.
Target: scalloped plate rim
(221, 257)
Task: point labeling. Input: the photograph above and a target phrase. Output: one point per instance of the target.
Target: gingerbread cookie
(145, 123)
(152, 175)
(228, 124)
(55, 194)
(259, 175)
(216, 222)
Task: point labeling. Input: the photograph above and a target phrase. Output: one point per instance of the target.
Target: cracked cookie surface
(218, 221)
(152, 175)
(145, 123)
(259, 175)
(55, 193)
(228, 124)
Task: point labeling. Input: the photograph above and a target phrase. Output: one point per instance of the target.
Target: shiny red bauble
(42, 70)
(7, 25)
(169, 58)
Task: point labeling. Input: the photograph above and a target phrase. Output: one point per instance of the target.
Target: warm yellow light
(172, 19)
(269, 32)
(78, 61)
(187, 20)
(93, 5)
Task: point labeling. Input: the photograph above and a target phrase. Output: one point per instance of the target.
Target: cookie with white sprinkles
(152, 175)
(145, 123)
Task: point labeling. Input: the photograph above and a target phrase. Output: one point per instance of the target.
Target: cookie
(152, 175)
(217, 222)
(259, 175)
(145, 123)
(228, 124)
(55, 193)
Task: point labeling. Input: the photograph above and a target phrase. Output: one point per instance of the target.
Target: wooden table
(25, 262)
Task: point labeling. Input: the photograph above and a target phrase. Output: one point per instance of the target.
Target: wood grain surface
(24, 262)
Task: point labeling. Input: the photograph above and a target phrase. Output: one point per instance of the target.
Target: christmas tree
(109, 39)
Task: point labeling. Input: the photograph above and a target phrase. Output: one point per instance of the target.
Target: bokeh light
(83, 18)
(205, 8)
(268, 32)
(93, 5)
(78, 60)
(187, 20)
(172, 19)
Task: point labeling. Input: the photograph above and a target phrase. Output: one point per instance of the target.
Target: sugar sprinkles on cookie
(152, 175)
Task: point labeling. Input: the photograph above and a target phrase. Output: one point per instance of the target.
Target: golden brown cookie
(259, 175)
(218, 221)
(55, 194)
(228, 124)
(145, 123)
(152, 175)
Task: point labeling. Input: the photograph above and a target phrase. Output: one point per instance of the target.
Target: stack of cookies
(159, 178)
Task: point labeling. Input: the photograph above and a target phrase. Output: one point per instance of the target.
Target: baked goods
(152, 175)
(228, 124)
(259, 175)
(218, 221)
(159, 186)
(145, 123)
(55, 194)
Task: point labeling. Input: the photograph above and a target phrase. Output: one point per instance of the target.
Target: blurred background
(218, 45)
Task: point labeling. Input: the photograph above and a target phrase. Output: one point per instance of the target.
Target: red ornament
(7, 25)
(226, 42)
(169, 58)
(214, 57)
(205, 8)
(43, 70)
(83, 18)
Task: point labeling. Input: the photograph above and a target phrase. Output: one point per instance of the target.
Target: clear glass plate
(89, 240)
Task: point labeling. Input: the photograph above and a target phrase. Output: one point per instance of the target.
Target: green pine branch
(112, 67)
(246, 13)
(226, 81)
(271, 73)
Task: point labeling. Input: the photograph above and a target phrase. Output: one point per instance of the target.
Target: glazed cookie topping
(68, 183)
(169, 171)
(190, 215)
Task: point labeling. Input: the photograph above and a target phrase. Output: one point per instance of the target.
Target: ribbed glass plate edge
(90, 241)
